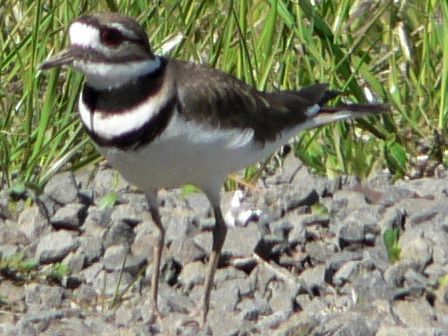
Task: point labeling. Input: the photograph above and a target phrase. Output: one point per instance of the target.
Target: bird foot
(154, 315)
(194, 322)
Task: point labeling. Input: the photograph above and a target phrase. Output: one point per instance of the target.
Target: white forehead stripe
(84, 35)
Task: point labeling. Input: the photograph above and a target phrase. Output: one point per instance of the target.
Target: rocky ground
(307, 257)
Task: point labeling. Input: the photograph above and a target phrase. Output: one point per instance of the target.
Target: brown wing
(214, 97)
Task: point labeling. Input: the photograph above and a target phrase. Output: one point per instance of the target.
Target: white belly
(187, 152)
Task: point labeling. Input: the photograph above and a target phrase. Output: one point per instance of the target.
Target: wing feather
(214, 97)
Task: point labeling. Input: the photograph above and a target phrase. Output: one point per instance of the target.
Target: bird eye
(111, 37)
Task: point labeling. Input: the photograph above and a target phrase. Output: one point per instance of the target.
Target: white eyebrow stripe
(124, 30)
(88, 36)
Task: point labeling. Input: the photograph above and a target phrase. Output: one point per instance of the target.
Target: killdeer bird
(163, 122)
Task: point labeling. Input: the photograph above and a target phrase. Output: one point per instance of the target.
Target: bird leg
(157, 252)
(219, 236)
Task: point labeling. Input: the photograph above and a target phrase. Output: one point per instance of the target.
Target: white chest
(186, 152)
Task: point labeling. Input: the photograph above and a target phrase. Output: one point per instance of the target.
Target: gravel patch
(307, 257)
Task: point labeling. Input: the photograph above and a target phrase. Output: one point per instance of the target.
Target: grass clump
(18, 267)
(389, 51)
(393, 249)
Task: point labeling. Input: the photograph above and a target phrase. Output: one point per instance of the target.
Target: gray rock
(47, 205)
(282, 296)
(415, 314)
(62, 188)
(299, 325)
(300, 196)
(422, 216)
(414, 206)
(336, 261)
(7, 328)
(280, 228)
(394, 275)
(367, 217)
(171, 301)
(178, 225)
(132, 213)
(291, 166)
(380, 179)
(304, 179)
(145, 240)
(55, 246)
(12, 295)
(391, 330)
(119, 233)
(86, 295)
(314, 278)
(42, 297)
(200, 204)
(393, 218)
(273, 321)
(107, 283)
(227, 324)
(345, 272)
(351, 233)
(97, 221)
(260, 277)
(75, 261)
(186, 251)
(270, 246)
(118, 258)
(425, 187)
(226, 297)
(229, 273)
(37, 323)
(392, 195)
(8, 250)
(70, 216)
(91, 273)
(352, 324)
(290, 291)
(415, 279)
(107, 180)
(369, 284)
(253, 309)
(320, 251)
(434, 272)
(348, 199)
(70, 281)
(96, 325)
(86, 196)
(240, 242)
(377, 256)
(91, 248)
(192, 274)
(33, 223)
(10, 235)
(415, 250)
(5, 199)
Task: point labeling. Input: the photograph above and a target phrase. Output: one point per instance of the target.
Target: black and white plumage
(164, 122)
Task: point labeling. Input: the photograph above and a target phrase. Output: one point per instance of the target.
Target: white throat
(102, 76)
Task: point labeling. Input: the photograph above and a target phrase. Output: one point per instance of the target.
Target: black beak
(65, 57)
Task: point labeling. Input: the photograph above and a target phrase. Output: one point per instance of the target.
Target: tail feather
(357, 108)
(329, 114)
